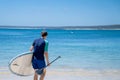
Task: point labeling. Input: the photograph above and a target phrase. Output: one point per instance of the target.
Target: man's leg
(43, 75)
(35, 76)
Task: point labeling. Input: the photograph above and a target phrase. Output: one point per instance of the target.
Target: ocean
(79, 49)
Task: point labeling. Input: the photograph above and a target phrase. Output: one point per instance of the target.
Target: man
(40, 52)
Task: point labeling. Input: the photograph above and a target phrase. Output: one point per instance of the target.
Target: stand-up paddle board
(22, 65)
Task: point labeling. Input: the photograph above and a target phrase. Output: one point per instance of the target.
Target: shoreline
(64, 73)
(61, 74)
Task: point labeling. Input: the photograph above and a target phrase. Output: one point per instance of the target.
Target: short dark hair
(44, 33)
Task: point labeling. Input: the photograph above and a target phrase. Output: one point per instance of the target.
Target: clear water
(88, 49)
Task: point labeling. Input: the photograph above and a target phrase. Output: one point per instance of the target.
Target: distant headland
(99, 27)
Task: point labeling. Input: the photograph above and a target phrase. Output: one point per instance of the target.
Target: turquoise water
(88, 49)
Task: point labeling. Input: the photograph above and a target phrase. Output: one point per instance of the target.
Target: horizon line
(59, 26)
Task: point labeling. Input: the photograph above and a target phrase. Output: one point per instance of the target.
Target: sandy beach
(65, 74)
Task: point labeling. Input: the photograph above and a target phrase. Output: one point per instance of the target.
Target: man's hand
(48, 64)
(31, 48)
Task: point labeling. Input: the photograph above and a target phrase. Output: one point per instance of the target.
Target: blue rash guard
(40, 46)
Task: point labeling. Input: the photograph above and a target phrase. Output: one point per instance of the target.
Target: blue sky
(59, 12)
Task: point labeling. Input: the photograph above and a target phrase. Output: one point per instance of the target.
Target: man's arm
(32, 47)
(46, 52)
(47, 58)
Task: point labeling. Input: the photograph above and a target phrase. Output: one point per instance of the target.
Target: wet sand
(65, 74)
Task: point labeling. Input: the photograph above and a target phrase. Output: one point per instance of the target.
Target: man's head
(44, 34)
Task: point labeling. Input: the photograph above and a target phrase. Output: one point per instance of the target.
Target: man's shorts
(38, 64)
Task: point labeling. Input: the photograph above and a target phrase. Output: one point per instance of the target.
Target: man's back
(39, 45)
